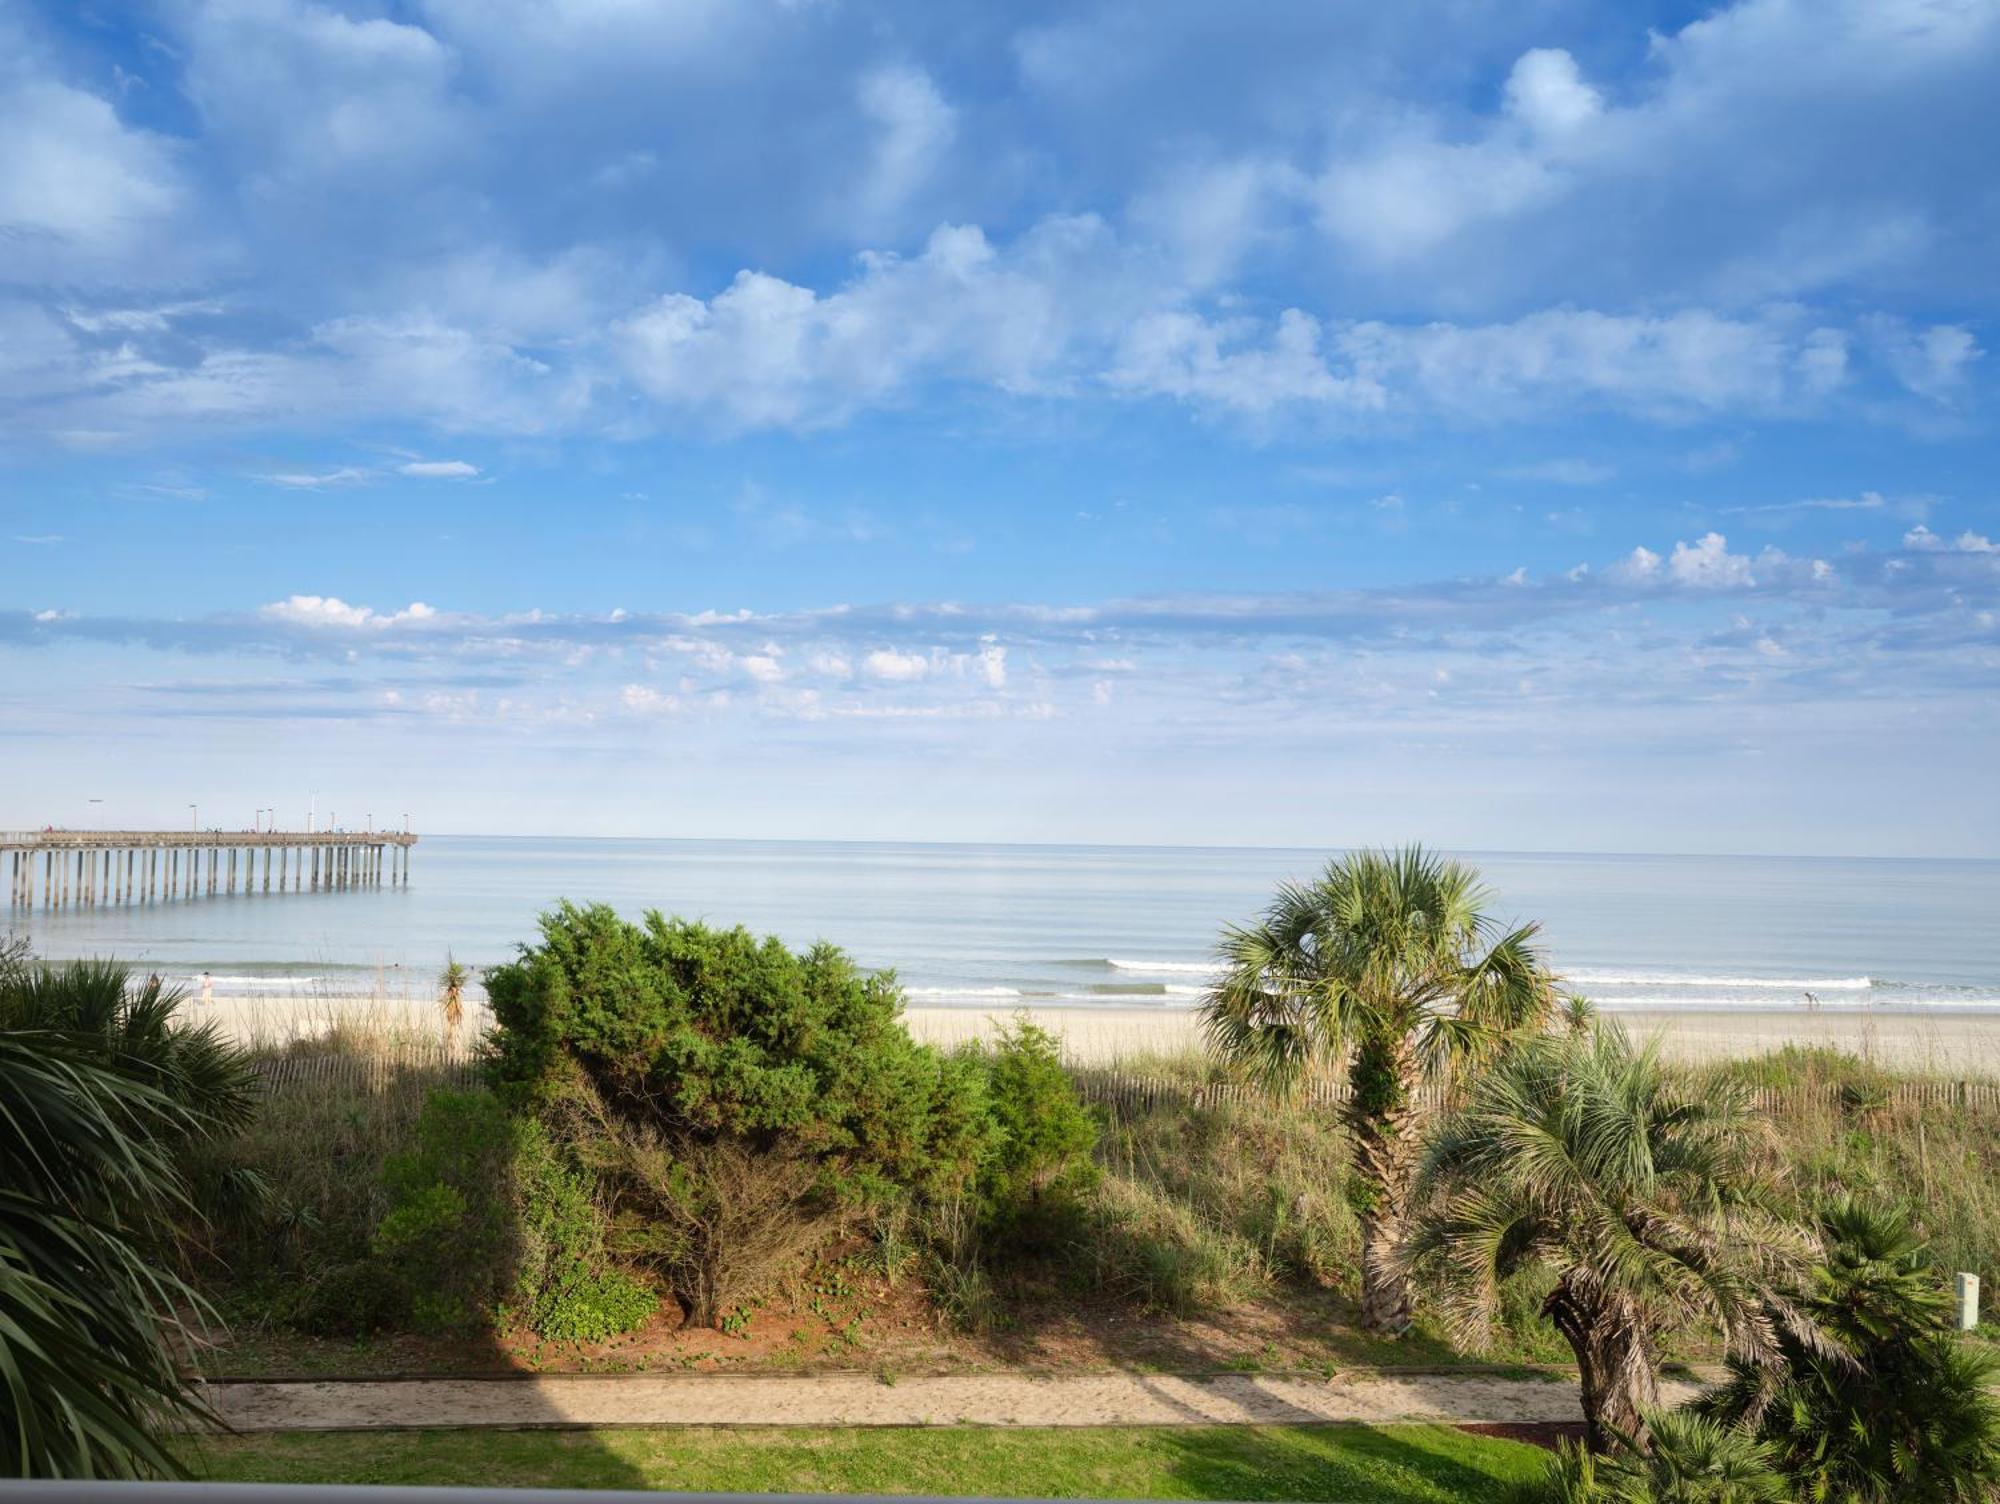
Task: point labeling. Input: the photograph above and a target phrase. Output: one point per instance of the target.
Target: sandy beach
(1941, 1043)
(1951, 1044)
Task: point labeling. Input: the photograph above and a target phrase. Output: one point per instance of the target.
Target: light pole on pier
(194, 817)
(96, 814)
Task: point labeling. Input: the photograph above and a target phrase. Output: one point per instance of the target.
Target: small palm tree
(104, 1100)
(136, 1027)
(1899, 1408)
(1692, 1460)
(1645, 1199)
(1390, 967)
(452, 982)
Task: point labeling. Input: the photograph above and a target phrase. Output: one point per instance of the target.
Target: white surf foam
(254, 984)
(1676, 979)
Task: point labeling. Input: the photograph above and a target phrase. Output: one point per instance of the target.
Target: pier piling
(101, 868)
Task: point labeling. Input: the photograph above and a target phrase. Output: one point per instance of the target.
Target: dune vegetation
(685, 1148)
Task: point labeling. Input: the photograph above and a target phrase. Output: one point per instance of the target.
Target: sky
(1543, 426)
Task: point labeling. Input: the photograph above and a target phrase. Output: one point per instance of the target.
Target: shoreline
(1945, 1043)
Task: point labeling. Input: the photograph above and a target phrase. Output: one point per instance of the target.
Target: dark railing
(33, 1491)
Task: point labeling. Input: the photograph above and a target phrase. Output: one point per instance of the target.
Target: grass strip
(1385, 1465)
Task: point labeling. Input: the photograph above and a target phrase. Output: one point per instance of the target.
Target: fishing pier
(60, 869)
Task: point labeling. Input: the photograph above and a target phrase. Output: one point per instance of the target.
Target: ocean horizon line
(1332, 849)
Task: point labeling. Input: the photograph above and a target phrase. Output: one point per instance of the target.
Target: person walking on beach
(207, 988)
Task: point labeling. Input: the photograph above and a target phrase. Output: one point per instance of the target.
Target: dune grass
(1386, 1465)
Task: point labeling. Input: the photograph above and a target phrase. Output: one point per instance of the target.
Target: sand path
(1112, 1399)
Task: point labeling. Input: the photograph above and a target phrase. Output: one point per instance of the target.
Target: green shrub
(1040, 1169)
(482, 1210)
(448, 1236)
(353, 1299)
(566, 1290)
(736, 1095)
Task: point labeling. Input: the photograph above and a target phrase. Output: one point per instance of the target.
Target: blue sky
(1550, 426)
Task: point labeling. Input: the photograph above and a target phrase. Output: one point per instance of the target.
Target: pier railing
(58, 869)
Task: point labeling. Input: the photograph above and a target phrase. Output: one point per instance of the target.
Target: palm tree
(1898, 1408)
(135, 1027)
(1645, 1198)
(1389, 964)
(103, 1100)
(451, 993)
(1692, 1460)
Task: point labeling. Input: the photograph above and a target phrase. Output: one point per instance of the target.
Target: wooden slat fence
(1123, 1092)
(377, 1070)
(1117, 1091)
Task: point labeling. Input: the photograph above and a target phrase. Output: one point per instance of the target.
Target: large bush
(737, 1096)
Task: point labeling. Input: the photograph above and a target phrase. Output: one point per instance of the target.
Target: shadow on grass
(1399, 1465)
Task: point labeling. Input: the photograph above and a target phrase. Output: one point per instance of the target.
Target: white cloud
(1546, 92)
(332, 611)
(1210, 214)
(891, 666)
(315, 480)
(439, 469)
(915, 128)
(1867, 501)
(1933, 362)
(643, 699)
(1923, 540)
(1232, 365)
(1784, 132)
(81, 193)
(1413, 191)
(1707, 564)
(309, 93)
(993, 665)
(1690, 361)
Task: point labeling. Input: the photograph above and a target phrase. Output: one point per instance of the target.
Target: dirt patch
(847, 1316)
(1545, 1434)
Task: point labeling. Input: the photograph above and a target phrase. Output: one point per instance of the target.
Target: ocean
(1083, 926)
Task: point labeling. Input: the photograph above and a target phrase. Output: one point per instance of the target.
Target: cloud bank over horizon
(1114, 420)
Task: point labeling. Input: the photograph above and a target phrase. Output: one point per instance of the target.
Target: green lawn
(1385, 1465)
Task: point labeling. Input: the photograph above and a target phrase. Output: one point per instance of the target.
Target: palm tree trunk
(1382, 1118)
(1619, 1376)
